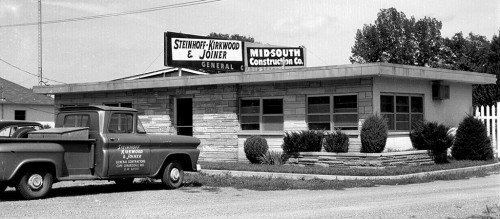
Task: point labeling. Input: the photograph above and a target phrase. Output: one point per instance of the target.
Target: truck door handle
(113, 139)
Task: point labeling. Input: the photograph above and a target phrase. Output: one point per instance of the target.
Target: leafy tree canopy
(231, 37)
(395, 38)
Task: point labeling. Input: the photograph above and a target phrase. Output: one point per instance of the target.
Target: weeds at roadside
(266, 183)
(390, 171)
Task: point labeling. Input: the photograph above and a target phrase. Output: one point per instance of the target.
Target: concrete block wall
(215, 121)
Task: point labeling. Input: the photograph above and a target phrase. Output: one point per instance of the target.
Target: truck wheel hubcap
(174, 174)
(35, 181)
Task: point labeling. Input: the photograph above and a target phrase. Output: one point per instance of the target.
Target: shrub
(337, 142)
(418, 134)
(255, 147)
(291, 142)
(302, 141)
(433, 137)
(311, 140)
(272, 158)
(373, 134)
(472, 141)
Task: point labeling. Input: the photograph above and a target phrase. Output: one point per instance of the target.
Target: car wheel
(173, 175)
(124, 181)
(35, 184)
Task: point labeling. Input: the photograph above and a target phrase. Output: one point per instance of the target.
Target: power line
(20, 69)
(153, 61)
(165, 7)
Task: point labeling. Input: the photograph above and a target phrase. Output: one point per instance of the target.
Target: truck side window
(76, 120)
(121, 123)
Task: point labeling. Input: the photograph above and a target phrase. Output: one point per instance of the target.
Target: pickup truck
(94, 143)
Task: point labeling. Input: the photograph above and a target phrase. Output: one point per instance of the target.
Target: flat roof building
(222, 110)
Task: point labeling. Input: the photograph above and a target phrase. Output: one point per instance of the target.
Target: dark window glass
(319, 126)
(121, 123)
(250, 106)
(402, 104)
(387, 104)
(272, 106)
(76, 120)
(318, 104)
(272, 123)
(345, 104)
(417, 104)
(19, 114)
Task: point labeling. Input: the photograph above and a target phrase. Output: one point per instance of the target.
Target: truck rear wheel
(173, 175)
(35, 184)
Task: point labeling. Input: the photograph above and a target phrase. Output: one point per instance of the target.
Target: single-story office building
(222, 110)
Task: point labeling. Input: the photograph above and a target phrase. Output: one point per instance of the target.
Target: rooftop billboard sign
(190, 51)
(275, 56)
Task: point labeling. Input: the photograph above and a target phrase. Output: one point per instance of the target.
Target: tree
(474, 53)
(394, 38)
(231, 37)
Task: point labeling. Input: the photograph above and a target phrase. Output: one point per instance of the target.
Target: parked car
(18, 128)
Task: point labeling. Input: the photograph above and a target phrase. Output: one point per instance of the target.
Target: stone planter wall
(360, 160)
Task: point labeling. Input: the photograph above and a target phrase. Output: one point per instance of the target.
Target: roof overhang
(405, 72)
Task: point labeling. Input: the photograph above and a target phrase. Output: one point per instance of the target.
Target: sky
(104, 49)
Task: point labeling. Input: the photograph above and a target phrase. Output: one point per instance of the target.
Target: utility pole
(40, 78)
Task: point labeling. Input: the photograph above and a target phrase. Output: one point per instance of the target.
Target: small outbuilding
(223, 110)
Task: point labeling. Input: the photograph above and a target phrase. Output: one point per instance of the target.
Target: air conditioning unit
(440, 91)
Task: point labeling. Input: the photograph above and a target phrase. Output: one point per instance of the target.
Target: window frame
(332, 112)
(394, 114)
(262, 115)
(16, 115)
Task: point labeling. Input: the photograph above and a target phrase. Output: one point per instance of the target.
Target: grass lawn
(265, 184)
(454, 164)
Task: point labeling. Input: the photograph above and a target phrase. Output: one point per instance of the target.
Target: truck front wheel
(35, 184)
(173, 175)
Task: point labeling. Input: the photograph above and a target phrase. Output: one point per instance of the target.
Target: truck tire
(173, 175)
(36, 183)
(124, 181)
(22, 132)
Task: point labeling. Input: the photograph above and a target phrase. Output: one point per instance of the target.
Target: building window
(401, 111)
(128, 105)
(328, 112)
(261, 114)
(19, 114)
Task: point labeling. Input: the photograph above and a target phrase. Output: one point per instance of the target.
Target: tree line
(395, 38)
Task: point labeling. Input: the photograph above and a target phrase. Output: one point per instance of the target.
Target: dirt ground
(102, 199)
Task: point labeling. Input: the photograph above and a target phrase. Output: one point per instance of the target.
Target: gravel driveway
(102, 199)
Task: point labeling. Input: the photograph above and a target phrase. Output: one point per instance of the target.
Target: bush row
(306, 141)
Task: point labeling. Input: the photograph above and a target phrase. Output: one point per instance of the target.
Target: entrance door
(184, 116)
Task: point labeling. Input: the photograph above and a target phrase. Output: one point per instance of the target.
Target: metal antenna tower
(40, 78)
